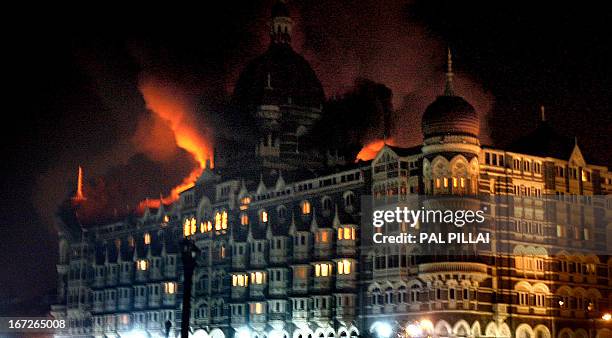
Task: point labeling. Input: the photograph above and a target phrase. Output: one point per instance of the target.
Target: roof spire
(542, 113)
(448, 91)
(269, 82)
(79, 196)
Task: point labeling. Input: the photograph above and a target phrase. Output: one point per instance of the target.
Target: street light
(136, 334)
(414, 330)
(243, 332)
(606, 316)
(189, 254)
(382, 329)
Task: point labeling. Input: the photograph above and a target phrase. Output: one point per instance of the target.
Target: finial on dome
(542, 113)
(281, 23)
(448, 91)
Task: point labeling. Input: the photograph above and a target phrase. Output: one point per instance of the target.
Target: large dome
(279, 76)
(450, 114)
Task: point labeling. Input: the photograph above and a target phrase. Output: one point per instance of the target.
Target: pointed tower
(79, 196)
(451, 145)
(448, 90)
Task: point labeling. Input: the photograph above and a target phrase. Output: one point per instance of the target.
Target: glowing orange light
(176, 109)
(369, 151)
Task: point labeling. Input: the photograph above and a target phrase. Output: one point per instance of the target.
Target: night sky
(74, 98)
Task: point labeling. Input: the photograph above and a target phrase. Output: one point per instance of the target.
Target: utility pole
(189, 254)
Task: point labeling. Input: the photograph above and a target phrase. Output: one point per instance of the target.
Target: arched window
(217, 221)
(282, 212)
(349, 200)
(244, 219)
(414, 293)
(389, 295)
(327, 204)
(263, 216)
(376, 297)
(224, 220)
(402, 295)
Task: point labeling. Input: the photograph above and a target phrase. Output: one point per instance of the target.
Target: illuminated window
(241, 280)
(344, 267)
(244, 219)
(193, 224)
(540, 299)
(170, 288)
(305, 207)
(323, 236)
(258, 277)
(125, 319)
(222, 251)
(263, 216)
(437, 183)
(323, 269)
(346, 233)
(147, 238)
(462, 182)
(131, 241)
(455, 182)
(142, 264)
(301, 272)
(166, 219)
(189, 227)
(217, 221)
(245, 201)
(186, 228)
(224, 220)
(256, 308)
(446, 182)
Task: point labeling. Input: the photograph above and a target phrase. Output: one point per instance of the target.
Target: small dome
(450, 114)
(279, 76)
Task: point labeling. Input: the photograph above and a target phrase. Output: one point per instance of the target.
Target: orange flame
(173, 106)
(369, 151)
(79, 196)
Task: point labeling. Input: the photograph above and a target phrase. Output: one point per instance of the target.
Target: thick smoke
(356, 48)
(378, 40)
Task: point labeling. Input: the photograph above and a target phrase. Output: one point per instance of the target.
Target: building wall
(279, 274)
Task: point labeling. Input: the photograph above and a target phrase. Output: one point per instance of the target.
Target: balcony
(169, 299)
(346, 281)
(322, 250)
(430, 271)
(322, 283)
(239, 292)
(140, 302)
(278, 288)
(238, 321)
(258, 260)
(257, 290)
(300, 253)
(346, 248)
(239, 262)
(110, 305)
